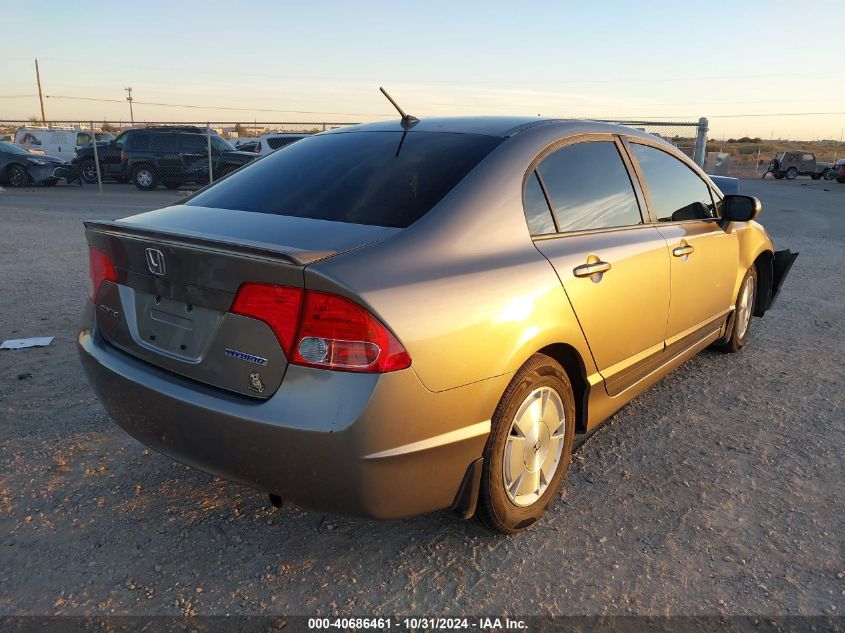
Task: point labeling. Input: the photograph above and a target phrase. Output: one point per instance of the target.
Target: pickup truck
(790, 165)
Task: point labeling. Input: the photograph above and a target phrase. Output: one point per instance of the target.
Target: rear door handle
(680, 251)
(588, 270)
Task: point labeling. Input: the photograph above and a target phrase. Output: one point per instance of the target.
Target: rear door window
(676, 192)
(169, 143)
(376, 178)
(589, 187)
(537, 211)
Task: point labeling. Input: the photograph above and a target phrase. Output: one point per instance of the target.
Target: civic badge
(255, 383)
(155, 261)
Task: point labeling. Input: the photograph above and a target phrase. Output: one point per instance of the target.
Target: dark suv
(177, 158)
(108, 153)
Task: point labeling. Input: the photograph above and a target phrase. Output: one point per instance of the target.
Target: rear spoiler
(276, 252)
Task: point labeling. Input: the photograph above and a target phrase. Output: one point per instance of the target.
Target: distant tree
(34, 120)
(109, 127)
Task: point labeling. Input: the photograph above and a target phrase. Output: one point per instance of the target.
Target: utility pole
(129, 99)
(40, 95)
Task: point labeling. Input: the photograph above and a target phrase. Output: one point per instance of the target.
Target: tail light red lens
(319, 329)
(100, 269)
(122, 156)
(277, 306)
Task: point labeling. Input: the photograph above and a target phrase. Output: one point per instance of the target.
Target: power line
(213, 107)
(236, 109)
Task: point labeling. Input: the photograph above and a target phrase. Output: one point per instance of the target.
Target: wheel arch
(571, 361)
(141, 164)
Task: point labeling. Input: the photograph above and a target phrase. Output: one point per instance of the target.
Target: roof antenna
(407, 119)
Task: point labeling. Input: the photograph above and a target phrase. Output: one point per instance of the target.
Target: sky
(774, 63)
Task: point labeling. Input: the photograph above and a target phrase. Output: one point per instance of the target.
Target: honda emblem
(155, 261)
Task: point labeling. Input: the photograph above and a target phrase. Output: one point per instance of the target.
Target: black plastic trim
(467, 498)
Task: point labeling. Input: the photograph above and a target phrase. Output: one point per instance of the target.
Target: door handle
(680, 251)
(588, 270)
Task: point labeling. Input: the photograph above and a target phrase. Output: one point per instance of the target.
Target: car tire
(88, 171)
(827, 174)
(18, 176)
(514, 493)
(741, 322)
(840, 180)
(145, 178)
(791, 173)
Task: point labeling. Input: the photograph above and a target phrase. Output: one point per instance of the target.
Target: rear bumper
(380, 446)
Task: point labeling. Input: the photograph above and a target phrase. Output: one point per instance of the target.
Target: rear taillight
(277, 306)
(319, 329)
(100, 269)
(122, 156)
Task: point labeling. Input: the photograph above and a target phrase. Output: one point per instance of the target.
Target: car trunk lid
(171, 301)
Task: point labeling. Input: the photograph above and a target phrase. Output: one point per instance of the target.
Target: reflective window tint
(676, 191)
(378, 178)
(589, 187)
(537, 212)
(275, 142)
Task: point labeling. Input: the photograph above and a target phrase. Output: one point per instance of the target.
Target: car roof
(502, 126)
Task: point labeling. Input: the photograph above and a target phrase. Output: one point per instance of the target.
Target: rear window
(275, 142)
(376, 178)
(137, 142)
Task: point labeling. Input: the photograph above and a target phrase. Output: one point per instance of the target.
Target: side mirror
(740, 208)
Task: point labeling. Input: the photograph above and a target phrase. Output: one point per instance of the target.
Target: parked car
(19, 168)
(177, 158)
(790, 165)
(246, 143)
(108, 153)
(268, 143)
(392, 319)
(60, 143)
(838, 171)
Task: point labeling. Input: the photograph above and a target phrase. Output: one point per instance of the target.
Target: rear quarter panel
(464, 288)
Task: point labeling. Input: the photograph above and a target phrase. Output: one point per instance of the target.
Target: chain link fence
(193, 153)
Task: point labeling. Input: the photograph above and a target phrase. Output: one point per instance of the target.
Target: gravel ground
(718, 491)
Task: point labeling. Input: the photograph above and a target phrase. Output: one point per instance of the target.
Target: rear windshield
(275, 142)
(377, 178)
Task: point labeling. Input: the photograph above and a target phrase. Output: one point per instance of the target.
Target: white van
(59, 143)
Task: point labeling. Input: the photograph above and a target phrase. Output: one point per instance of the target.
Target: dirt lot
(719, 490)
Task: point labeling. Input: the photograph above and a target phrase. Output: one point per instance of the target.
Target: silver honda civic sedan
(402, 317)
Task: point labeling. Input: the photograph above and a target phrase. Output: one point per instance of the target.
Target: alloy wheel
(144, 177)
(745, 307)
(17, 176)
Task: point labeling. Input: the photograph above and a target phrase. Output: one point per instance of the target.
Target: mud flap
(781, 266)
(467, 498)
